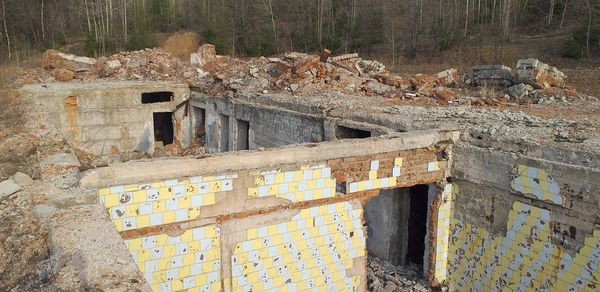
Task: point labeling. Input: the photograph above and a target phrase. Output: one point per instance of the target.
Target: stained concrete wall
(269, 126)
(522, 221)
(239, 216)
(388, 217)
(108, 118)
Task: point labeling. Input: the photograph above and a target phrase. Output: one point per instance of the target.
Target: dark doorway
(224, 121)
(342, 132)
(163, 127)
(153, 97)
(199, 124)
(417, 224)
(243, 129)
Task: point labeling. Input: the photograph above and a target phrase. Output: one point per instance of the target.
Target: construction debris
(308, 75)
(538, 74)
(490, 75)
(385, 277)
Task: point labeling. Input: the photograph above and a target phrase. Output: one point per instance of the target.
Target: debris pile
(385, 277)
(308, 75)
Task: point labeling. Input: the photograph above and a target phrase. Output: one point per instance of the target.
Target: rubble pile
(385, 277)
(303, 74)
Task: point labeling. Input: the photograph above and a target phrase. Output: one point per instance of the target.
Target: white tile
(117, 212)
(181, 215)
(164, 287)
(196, 269)
(172, 274)
(176, 261)
(189, 282)
(172, 204)
(126, 198)
(153, 194)
(227, 185)
(151, 266)
(196, 201)
(375, 165)
(288, 176)
(269, 179)
(320, 183)
(196, 179)
(283, 188)
(129, 223)
(156, 219)
(326, 172)
(307, 174)
(396, 171)
(178, 191)
(212, 277)
(149, 278)
(262, 231)
(353, 187)
(263, 191)
(117, 189)
(146, 208)
(156, 253)
(203, 188)
(171, 182)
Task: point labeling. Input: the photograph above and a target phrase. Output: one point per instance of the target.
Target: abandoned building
(296, 192)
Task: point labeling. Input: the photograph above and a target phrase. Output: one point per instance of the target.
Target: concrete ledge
(140, 171)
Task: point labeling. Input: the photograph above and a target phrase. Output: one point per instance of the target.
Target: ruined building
(296, 191)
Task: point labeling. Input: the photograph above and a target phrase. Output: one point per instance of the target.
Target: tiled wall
(312, 251)
(525, 257)
(443, 234)
(164, 202)
(319, 248)
(305, 184)
(189, 261)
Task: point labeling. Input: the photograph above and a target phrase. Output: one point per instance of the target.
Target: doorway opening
(199, 118)
(163, 128)
(243, 140)
(417, 224)
(224, 121)
(397, 225)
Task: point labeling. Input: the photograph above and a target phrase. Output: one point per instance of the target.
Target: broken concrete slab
(519, 91)
(8, 187)
(538, 74)
(490, 75)
(22, 179)
(87, 252)
(55, 59)
(206, 53)
(62, 170)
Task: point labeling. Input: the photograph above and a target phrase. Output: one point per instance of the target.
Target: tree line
(393, 28)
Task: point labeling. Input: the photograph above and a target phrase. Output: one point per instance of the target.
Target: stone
(449, 77)
(206, 53)
(22, 179)
(294, 87)
(55, 59)
(63, 75)
(519, 91)
(44, 211)
(62, 170)
(538, 74)
(8, 187)
(113, 64)
(491, 75)
(371, 67)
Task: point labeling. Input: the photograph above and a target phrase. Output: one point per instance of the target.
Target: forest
(387, 28)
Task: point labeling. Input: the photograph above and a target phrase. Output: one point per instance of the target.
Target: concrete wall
(269, 126)
(108, 118)
(522, 221)
(260, 220)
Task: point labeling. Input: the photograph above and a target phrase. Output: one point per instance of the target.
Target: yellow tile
(372, 174)
(311, 184)
(166, 193)
(184, 271)
(273, 190)
(292, 187)
(376, 183)
(191, 189)
(132, 210)
(201, 280)
(111, 200)
(252, 192)
(143, 221)
(157, 185)
(361, 186)
(104, 191)
(215, 186)
(272, 230)
(168, 217)
(259, 180)
(176, 285)
(169, 250)
(158, 206)
(398, 161)
(329, 183)
(317, 173)
(184, 203)
(279, 178)
(298, 175)
(208, 178)
(187, 236)
(251, 233)
(118, 224)
(298, 196)
(139, 196)
(193, 213)
(317, 194)
(208, 199)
